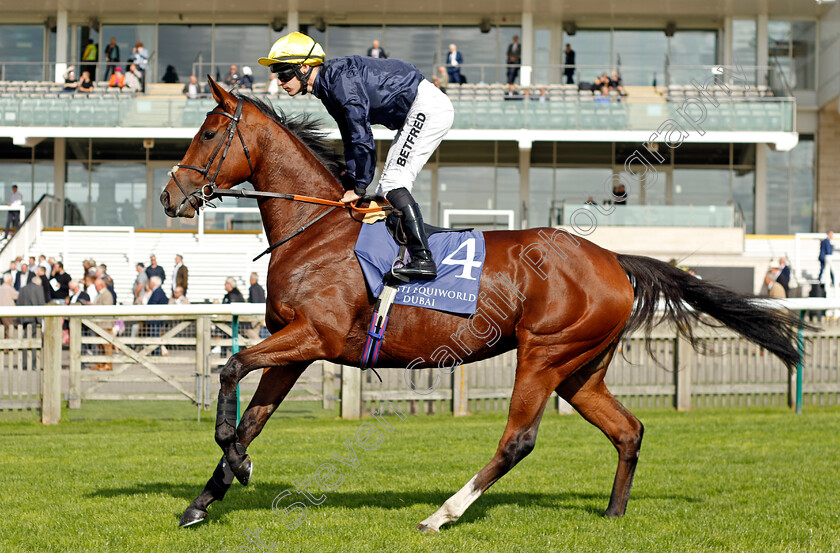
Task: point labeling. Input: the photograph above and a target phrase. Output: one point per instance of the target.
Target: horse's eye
(208, 135)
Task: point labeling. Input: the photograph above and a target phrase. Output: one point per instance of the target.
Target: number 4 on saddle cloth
(459, 257)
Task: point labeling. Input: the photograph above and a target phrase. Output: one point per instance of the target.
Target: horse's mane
(308, 130)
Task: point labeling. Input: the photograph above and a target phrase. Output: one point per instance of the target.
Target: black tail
(773, 329)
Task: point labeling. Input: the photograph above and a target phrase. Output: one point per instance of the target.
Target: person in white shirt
(13, 216)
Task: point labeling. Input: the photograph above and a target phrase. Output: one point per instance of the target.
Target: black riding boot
(421, 266)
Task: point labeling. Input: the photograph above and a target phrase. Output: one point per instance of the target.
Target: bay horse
(561, 301)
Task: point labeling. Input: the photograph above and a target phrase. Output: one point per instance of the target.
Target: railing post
(351, 392)
(684, 355)
(460, 392)
(800, 342)
(202, 353)
(74, 397)
(327, 385)
(51, 388)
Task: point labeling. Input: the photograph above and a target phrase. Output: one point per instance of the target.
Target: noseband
(207, 191)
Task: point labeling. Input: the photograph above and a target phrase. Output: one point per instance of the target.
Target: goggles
(284, 71)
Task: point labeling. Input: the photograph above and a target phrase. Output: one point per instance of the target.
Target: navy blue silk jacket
(359, 92)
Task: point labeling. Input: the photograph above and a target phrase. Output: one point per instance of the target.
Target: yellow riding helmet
(295, 48)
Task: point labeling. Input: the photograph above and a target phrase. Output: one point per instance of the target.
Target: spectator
(826, 249)
(233, 294)
(24, 276)
(13, 273)
(191, 89)
(42, 262)
(31, 294)
(140, 58)
(376, 52)
(603, 97)
(70, 81)
(90, 286)
(45, 283)
(441, 80)
(85, 84)
(256, 294)
(514, 59)
(543, 95)
(771, 288)
(783, 276)
(60, 283)
(510, 93)
(178, 297)
(569, 64)
(13, 216)
(232, 78)
(154, 269)
(104, 297)
(170, 76)
(112, 57)
(619, 195)
(157, 297)
(454, 59)
(181, 274)
(615, 83)
(117, 78)
(8, 295)
(139, 285)
(77, 295)
(247, 80)
(86, 265)
(91, 56)
(134, 79)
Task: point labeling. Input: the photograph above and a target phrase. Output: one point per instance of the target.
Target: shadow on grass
(260, 498)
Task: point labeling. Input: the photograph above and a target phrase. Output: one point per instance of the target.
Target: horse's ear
(220, 94)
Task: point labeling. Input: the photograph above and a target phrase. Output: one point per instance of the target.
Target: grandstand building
(729, 130)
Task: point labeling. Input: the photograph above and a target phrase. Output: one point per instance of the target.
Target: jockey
(358, 92)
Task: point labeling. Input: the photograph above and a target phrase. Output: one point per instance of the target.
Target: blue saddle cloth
(459, 257)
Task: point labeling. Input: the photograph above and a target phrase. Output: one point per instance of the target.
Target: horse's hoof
(244, 471)
(427, 529)
(192, 516)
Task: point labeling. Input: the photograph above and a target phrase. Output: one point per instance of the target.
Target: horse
(562, 302)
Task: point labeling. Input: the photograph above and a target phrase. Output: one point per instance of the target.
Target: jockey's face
(293, 85)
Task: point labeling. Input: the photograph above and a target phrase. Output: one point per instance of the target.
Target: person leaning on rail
(358, 92)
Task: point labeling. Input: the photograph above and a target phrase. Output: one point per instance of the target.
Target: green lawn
(116, 478)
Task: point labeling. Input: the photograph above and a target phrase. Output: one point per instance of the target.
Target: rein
(207, 191)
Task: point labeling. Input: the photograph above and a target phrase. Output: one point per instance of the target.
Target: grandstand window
(743, 194)
(691, 49)
(642, 55)
(118, 194)
(542, 58)
(702, 186)
(793, 44)
(744, 37)
(22, 48)
(34, 178)
(790, 188)
(416, 45)
(127, 36)
(593, 53)
(181, 45)
(483, 61)
(77, 188)
(347, 40)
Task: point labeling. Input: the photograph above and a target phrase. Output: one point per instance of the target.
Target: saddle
(391, 281)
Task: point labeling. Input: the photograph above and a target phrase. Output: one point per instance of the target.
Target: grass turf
(116, 477)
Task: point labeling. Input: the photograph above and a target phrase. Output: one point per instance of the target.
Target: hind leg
(530, 394)
(588, 394)
(273, 388)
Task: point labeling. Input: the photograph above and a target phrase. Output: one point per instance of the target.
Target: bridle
(233, 128)
(210, 189)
